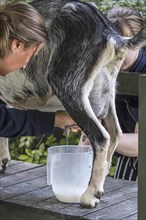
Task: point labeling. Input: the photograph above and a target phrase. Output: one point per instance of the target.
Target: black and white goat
(77, 72)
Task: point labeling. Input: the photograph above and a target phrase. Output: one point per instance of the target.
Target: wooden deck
(24, 195)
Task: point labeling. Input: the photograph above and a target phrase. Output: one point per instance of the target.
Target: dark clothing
(14, 122)
(127, 112)
(127, 106)
(140, 64)
(127, 168)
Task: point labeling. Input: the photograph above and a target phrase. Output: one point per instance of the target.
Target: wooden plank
(132, 217)
(34, 196)
(19, 167)
(8, 212)
(108, 187)
(128, 83)
(111, 198)
(22, 188)
(115, 211)
(14, 162)
(142, 149)
(23, 176)
(51, 204)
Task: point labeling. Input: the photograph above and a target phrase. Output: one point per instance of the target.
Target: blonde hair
(19, 20)
(127, 21)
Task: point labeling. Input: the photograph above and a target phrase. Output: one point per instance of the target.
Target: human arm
(128, 145)
(14, 122)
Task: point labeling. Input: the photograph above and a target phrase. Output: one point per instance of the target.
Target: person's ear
(17, 46)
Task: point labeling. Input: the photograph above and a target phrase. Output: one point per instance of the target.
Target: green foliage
(106, 5)
(113, 167)
(34, 149)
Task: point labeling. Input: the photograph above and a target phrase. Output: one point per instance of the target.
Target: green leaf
(22, 139)
(12, 146)
(38, 152)
(23, 157)
(43, 161)
(51, 140)
(36, 155)
(27, 144)
(29, 160)
(29, 152)
(112, 171)
(42, 147)
(36, 161)
(46, 153)
(21, 144)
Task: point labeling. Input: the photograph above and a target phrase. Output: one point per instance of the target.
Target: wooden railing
(135, 84)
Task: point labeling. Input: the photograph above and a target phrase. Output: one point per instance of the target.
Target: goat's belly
(103, 112)
(53, 104)
(101, 109)
(18, 91)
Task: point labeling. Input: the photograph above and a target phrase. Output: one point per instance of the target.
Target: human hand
(64, 121)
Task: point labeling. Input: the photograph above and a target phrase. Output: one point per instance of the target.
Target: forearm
(14, 122)
(128, 145)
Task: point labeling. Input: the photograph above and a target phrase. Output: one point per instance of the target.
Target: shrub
(34, 149)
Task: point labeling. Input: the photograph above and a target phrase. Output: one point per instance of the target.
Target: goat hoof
(88, 200)
(90, 205)
(4, 164)
(99, 194)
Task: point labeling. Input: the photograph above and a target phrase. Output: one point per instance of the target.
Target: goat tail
(135, 42)
(138, 41)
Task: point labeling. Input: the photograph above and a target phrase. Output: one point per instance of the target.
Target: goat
(77, 71)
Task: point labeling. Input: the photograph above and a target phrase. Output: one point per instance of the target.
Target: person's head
(128, 22)
(22, 35)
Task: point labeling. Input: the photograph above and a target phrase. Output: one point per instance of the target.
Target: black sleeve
(127, 112)
(14, 122)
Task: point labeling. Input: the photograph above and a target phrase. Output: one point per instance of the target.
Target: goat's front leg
(95, 188)
(4, 154)
(99, 139)
(75, 99)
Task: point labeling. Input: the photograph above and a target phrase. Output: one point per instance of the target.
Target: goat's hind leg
(111, 124)
(100, 140)
(95, 188)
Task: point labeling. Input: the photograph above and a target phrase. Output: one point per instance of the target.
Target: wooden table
(24, 195)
